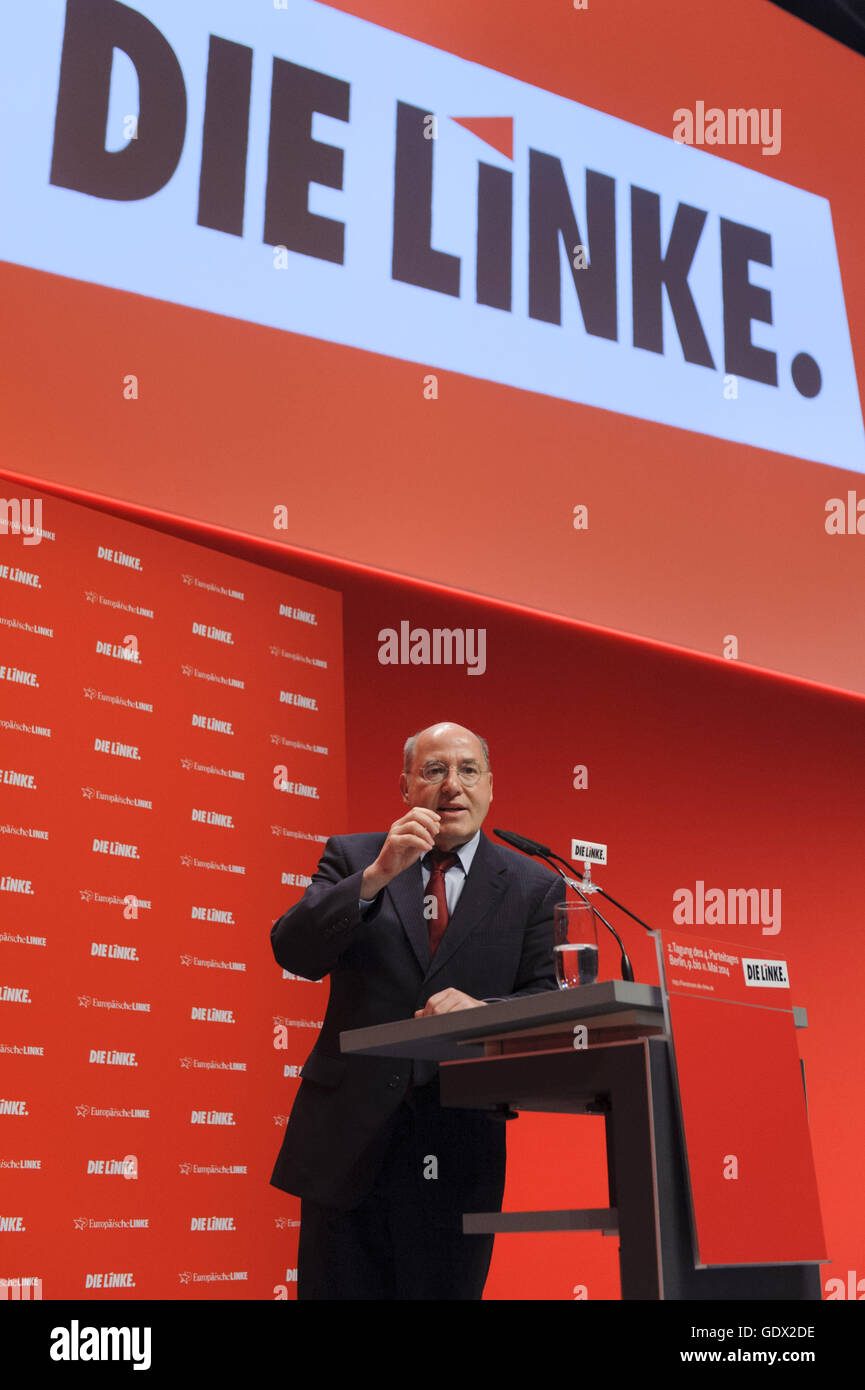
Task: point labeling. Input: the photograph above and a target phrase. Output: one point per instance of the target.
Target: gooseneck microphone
(538, 851)
(543, 852)
(531, 847)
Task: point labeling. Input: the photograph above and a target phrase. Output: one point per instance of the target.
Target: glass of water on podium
(576, 944)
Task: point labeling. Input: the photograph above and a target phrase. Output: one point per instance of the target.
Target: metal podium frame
(521, 1054)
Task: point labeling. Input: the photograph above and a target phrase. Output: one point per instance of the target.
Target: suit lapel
(482, 891)
(406, 894)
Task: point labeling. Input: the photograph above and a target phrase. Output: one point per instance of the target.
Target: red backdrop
(698, 770)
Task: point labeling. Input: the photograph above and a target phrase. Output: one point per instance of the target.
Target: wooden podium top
(469, 1032)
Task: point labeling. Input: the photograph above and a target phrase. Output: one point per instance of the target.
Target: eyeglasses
(468, 773)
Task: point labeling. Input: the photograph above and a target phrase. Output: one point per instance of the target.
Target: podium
(520, 1054)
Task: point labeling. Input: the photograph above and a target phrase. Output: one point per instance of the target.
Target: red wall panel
(699, 771)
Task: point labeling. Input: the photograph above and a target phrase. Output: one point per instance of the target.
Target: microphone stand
(598, 889)
(537, 851)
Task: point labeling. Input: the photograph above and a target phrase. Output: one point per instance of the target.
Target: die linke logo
(766, 974)
(121, 651)
(11, 778)
(118, 557)
(116, 847)
(18, 676)
(216, 634)
(15, 994)
(206, 817)
(102, 1057)
(16, 575)
(13, 1107)
(205, 1014)
(443, 213)
(209, 721)
(113, 950)
(8, 884)
(213, 914)
(116, 748)
(112, 1167)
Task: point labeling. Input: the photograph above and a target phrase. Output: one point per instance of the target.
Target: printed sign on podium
(752, 1182)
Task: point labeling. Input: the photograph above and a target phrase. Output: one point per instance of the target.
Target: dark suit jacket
(498, 943)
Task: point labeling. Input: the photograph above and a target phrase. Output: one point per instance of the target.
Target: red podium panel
(752, 1182)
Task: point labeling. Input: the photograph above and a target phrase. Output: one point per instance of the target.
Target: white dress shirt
(454, 877)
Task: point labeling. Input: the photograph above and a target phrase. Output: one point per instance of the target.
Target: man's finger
(428, 827)
(418, 826)
(414, 837)
(423, 813)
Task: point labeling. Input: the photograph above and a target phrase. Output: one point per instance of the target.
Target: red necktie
(438, 864)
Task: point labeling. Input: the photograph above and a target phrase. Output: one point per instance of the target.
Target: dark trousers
(402, 1241)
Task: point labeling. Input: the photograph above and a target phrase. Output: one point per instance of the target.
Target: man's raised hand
(408, 838)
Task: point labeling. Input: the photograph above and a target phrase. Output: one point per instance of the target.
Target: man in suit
(428, 918)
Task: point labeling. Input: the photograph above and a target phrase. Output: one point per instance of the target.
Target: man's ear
(491, 786)
(403, 786)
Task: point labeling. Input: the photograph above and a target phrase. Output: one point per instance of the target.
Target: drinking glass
(576, 944)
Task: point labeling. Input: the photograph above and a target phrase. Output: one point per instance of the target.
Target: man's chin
(454, 831)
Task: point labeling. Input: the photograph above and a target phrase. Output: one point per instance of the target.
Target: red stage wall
(172, 763)
(698, 772)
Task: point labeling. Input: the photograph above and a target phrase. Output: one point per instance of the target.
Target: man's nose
(452, 781)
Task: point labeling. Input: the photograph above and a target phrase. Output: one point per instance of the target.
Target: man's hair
(411, 745)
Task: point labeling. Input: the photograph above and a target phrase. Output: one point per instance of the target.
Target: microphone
(538, 851)
(531, 847)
